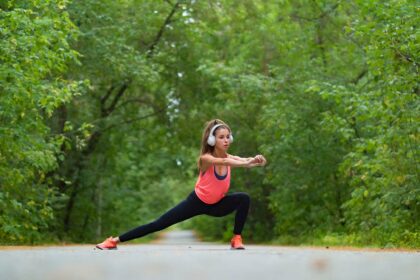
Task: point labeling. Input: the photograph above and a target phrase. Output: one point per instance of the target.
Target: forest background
(103, 103)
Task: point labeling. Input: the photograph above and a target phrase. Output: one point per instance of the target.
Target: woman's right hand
(261, 159)
(252, 162)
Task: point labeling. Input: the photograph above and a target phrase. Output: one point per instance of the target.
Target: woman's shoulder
(206, 155)
(205, 164)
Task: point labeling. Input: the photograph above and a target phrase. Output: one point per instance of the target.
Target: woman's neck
(219, 153)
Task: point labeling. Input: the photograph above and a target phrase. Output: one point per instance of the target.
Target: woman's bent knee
(244, 197)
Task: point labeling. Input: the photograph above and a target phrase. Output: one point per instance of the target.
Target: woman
(210, 194)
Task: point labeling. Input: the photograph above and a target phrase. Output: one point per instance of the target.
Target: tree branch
(106, 96)
(110, 109)
(131, 120)
(162, 28)
(133, 100)
(322, 15)
(405, 57)
(360, 76)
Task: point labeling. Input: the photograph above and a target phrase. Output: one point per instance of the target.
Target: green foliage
(338, 123)
(326, 90)
(353, 131)
(34, 52)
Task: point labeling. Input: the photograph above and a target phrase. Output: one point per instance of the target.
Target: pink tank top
(210, 189)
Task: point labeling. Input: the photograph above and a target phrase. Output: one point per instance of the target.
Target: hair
(205, 147)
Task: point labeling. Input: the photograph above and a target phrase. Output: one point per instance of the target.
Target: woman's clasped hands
(258, 160)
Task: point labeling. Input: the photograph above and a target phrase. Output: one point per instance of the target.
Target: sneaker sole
(106, 248)
(240, 248)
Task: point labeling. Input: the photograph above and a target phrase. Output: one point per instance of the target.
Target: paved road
(180, 256)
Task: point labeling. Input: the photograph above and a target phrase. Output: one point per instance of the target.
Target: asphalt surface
(180, 256)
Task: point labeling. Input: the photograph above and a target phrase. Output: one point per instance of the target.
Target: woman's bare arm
(258, 160)
(208, 159)
(239, 158)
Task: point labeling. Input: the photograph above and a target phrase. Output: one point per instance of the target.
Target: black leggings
(193, 206)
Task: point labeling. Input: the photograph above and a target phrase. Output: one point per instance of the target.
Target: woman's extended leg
(236, 201)
(188, 208)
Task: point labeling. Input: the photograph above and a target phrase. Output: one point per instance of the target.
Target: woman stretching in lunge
(210, 195)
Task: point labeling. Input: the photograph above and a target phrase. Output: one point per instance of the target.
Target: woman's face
(222, 139)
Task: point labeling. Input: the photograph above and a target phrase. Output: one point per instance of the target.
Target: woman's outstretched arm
(258, 160)
(208, 159)
(239, 158)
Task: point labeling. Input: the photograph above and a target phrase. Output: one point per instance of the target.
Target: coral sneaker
(108, 244)
(236, 243)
